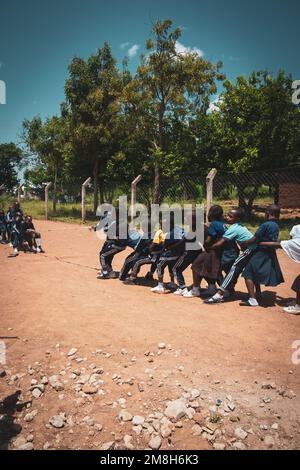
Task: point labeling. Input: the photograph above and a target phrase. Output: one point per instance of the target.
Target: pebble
(239, 445)
(72, 352)
(98, 427)
(240, 433)
(197, 430)
(30, 416)
(56, 384)
(275, 427)
(176, 409)
(162, 346)
(30, 438)
(2, 373)
(138, 420)
(219, 446)
(155, 443)
(125, 416)
(89, 389)
(128, 442)
(58, 421)
(27, 446)
(269, 442)
(108, 445)
(36, 393)
(165, 431)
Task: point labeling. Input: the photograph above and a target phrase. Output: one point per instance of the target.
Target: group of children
(18, 231)
(229, 250)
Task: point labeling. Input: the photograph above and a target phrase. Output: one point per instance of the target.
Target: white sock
(16, 250)
(38, 242)
(253, 302)
(196, 290)
(161, 285)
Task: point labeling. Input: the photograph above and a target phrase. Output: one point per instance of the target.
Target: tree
(48, 141)
(170, 85)
(93, 92)
(257, 127)
(10, 160)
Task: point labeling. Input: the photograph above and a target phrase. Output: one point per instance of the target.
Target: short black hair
(240, 213)
(274, 210)
(216, 212)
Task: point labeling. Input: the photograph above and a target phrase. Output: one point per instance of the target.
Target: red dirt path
(56, 298)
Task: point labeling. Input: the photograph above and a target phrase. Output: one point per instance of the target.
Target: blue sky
(39, 38)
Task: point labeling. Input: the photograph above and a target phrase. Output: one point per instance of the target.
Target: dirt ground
(241, 356)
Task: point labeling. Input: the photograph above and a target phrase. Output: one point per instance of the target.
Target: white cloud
(214, 105)
(125, 44)
(181, 49)
(133, 50)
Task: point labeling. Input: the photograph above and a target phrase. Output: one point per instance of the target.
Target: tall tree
(93, 102)
(171, 84)
(48, 142)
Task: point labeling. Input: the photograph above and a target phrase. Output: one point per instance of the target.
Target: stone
(36, 393)
(138, 420)
(30, 438)
(20, 441)
(58, 421)
(56, 384)
(45, 381)
(2, 373)
(128, 442)
(195, 393)
(89, 389)
(125, 416)
(108, 445)
(275, 427)
(141, 387)
(155, 443)
(176, 409)
(289, 394)
(30, 416)
(27, 446)
(238, 445)
(231, 406)
(162, 346)
(269, 442)
(197, 430)
(240, 434)
(72, 352)
(219, 446)
(46, 446)
(165, 431)
(98, 427)
(266, 400)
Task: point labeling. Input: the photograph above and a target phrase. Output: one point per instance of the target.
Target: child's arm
(218, 244)
(245, 245)
(271, 244)
(208, 242)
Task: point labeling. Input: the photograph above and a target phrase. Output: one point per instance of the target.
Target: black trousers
(106, 255)
(181, 265)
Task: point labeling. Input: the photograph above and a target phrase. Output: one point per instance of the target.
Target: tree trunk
(156, 195)
(96, 184)
(157, 168)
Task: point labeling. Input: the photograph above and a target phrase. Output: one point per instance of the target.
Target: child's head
(215, 213)
(236, 215)
(272, 212)
(28, 219)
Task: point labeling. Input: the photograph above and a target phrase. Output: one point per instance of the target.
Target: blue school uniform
(263, 268)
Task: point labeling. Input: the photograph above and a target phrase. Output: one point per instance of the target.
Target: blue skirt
(263, 268)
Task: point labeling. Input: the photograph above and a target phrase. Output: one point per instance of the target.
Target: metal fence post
(19, 194)
(47, 187)
(209, 190)
(83, 193)
(133, 196)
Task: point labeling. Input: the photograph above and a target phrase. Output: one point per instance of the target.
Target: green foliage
(10, 160)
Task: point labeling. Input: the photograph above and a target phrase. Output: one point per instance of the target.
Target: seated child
(263, 268)
(31, 236)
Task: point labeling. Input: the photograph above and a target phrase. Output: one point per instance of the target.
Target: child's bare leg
(250, 288)
(196, 279)
(258, 289)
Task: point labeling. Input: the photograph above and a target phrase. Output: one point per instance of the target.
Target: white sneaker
(181, 291)
(294, 310)
(190, 294)
(158, 290)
